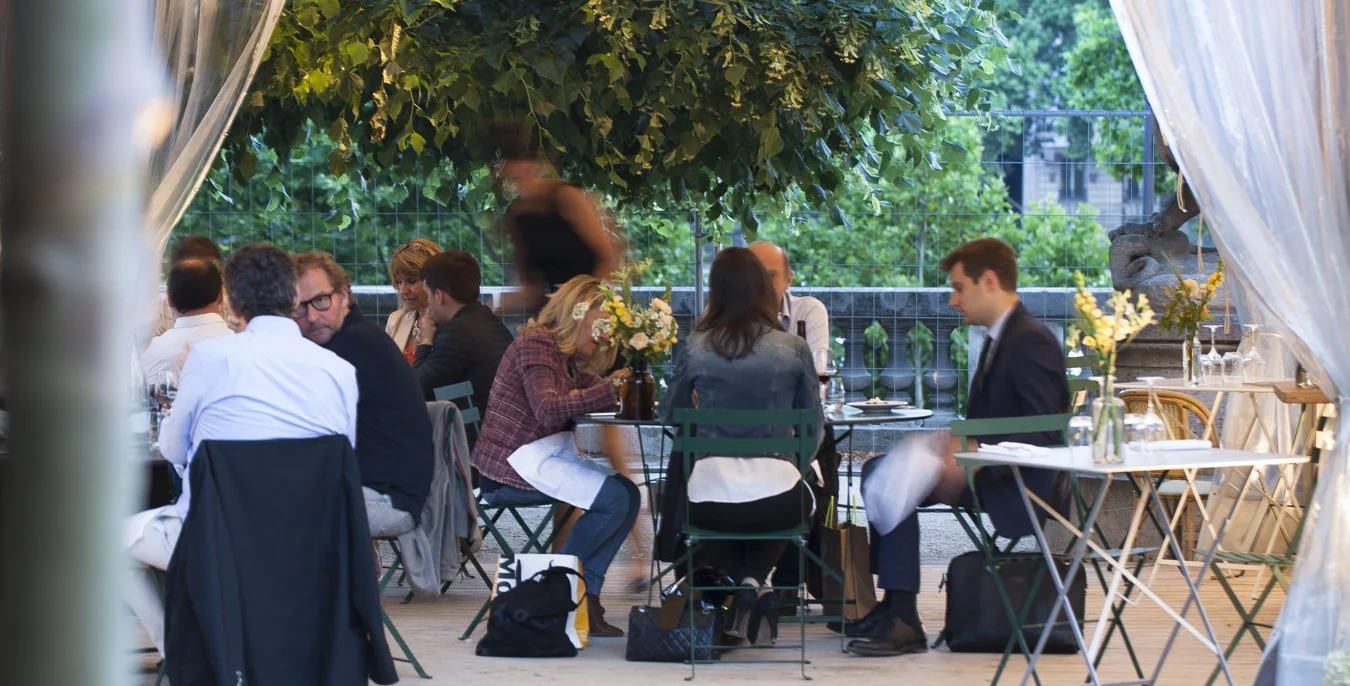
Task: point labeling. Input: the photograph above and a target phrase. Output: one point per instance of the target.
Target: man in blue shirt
(266, 382)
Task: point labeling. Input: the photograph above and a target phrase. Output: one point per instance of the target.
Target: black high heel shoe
(764, 620)
(744, 611)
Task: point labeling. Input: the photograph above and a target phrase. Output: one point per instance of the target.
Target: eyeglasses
(320, 302)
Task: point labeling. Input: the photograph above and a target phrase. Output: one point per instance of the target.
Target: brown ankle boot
(595, 614)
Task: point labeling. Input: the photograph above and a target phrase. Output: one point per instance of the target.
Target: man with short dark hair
(265, 382)
(393, 430)
(1020, 373)
(190, 248)
(462, 340)
(194, 290)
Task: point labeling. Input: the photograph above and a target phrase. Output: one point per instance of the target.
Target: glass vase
(1108, 422)
(1190, 360)
(637, 393)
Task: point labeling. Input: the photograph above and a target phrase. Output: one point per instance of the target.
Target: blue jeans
(597, 535)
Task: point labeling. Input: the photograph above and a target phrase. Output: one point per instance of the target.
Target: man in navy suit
(1020, 373)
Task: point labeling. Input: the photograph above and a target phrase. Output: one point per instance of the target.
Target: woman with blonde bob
(526, 454)
(405, 324)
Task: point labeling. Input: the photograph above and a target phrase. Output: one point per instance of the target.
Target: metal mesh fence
(1050, 183)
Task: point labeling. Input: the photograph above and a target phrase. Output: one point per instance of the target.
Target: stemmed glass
(1151, 426)
(1253, 363)
(1211, 363)
(166, 390)
(825, 370)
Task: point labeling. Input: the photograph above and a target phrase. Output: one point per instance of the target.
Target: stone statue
(1141, 251)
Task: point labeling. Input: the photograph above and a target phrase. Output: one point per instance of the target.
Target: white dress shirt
(806, 309)
(995, 332)
(169, 350)
(266, 382)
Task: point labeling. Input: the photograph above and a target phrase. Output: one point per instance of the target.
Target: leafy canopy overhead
(715, 104)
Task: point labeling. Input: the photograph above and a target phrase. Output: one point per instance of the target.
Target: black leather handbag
(663, 634)
(976, 619)
(530, 620)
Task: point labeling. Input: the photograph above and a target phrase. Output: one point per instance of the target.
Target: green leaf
(417, 142)
(735, 73)
(770, 142)
(329, 8)
(356, 51)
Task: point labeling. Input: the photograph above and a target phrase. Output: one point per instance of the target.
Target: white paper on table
(1182, 444)
(902, 479)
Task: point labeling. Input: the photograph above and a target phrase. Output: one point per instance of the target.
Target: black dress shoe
(898, 638)
(864, 627)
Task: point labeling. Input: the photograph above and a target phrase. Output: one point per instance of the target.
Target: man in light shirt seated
(794, 310)
(194, 290)
(266, 382)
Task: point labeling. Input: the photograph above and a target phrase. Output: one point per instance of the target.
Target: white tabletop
(1080, 460)
(1179, 384)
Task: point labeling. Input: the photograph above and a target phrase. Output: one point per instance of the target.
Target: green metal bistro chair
(538, 538)
(972, 521)
(1278, 565)
(802, 445)
(385, 578)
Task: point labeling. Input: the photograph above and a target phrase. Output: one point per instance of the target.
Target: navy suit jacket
(1025, 377)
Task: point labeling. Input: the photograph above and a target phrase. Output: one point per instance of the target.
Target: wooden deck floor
(432, 628)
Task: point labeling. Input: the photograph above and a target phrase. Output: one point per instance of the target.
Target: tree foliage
(712, 105)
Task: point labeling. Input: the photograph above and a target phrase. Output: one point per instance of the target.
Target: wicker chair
(1177, 410)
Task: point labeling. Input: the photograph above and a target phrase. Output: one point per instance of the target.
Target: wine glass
(825, 370)
(1253, 363)
(835, 395)
(1152, 427)
(1232, 368)
(166, 390)
(1211, 363)
(1080, 436)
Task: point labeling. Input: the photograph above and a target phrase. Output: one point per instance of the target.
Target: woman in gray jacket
(739, 359)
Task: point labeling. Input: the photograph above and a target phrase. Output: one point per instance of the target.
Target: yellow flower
(1090, 341)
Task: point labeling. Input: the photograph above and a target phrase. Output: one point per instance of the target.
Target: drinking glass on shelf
(1211, 363)
(1253, 363)
(1080, 436)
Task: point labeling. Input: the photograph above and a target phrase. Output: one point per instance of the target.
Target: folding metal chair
(971, 520)
(802, 445)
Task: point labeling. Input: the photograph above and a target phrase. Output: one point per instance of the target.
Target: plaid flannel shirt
(532, 398)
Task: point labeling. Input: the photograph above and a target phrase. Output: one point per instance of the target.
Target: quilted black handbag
(662, 634)
(976, 620)
(530, 620)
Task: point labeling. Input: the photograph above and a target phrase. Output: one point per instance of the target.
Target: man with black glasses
(393, 430)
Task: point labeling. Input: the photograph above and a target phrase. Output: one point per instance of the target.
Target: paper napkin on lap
(902, 479)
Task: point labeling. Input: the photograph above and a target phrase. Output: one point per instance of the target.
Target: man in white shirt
(194, 290)
(265, 382)
(793, 309)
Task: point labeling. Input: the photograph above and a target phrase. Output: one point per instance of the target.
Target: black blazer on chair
(1024, 378)
(271, 581)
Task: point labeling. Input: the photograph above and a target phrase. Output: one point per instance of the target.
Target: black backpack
(530, 620)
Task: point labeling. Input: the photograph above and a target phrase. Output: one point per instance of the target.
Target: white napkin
(1012, 449)
(1183, 444)
(902, 479)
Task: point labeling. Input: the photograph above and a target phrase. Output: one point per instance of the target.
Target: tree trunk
(74, 251)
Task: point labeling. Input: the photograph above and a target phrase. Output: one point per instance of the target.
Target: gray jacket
(777, 374)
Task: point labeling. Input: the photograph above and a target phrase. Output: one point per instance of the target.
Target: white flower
(602, 327)
(660, 306)
(639, 341)
(579, 311)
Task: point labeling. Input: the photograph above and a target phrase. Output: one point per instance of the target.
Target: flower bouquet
(1187, 307)
(1105, 333)
(645, 334)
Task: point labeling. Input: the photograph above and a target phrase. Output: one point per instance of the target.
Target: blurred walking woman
(405, 273)
(556, 226)
(526, 453)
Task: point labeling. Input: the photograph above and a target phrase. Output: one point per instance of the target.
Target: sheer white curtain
(212, 49)
(1255, 100)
